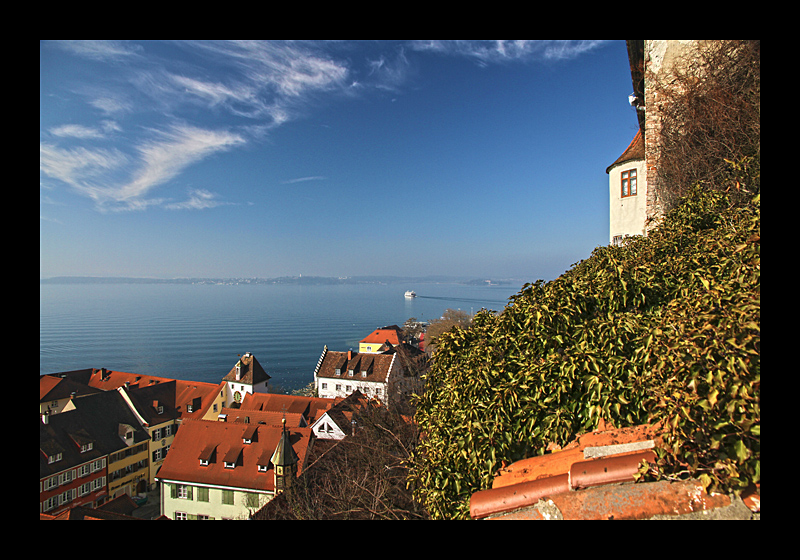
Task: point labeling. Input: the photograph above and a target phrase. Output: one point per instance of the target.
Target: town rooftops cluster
(106, 434)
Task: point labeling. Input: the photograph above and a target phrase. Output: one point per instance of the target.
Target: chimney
(349, 355)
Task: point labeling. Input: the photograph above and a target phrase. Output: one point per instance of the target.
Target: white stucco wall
(627, 215)
(214, 507)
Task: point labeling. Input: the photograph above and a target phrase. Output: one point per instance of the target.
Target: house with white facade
(627, 201)
(338, 374)
(246, 376)
(391, 376)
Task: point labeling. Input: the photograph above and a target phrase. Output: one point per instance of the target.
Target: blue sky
(261, 159)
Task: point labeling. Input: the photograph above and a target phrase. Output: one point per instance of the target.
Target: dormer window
(263, 468)
(86, 447)
(363, 374)
(338, 371)
(350, 373)
(207, 455)
(249, 434)
(232, 457)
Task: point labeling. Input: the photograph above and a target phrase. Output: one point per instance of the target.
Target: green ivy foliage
(665, 328)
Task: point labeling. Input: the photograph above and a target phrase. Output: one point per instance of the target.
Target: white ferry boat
(411, 294)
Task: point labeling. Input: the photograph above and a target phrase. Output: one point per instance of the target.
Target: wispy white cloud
(101, 50)
(263, 84)
(487, 52)
(159, 160)
(390, 72)
(303, 180)
(171, 152)
(80, 131)
(199, 199)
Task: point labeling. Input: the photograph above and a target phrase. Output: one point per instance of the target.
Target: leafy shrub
(665, 328)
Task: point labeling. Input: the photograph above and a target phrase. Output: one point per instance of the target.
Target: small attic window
(350, 372)
(363, 374)
(263, 468)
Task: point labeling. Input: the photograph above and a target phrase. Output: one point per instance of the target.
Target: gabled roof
(195, 436)
(95, 420)
(309, 407)
(251, 372)
(268, 417)
(593, 478)
(57, 437)
(53, 387)
(634, 151)
(107, 379)
(148, 400)
(193, 398)
(346, 410)
(379, 336)
(377, 366)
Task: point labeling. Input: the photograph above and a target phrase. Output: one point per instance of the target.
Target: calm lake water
(195, 332)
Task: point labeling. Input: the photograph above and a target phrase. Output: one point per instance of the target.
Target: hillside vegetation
(665, 328)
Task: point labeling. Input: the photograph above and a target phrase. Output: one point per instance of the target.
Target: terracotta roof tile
(195, 436)
(379, 336)
(634, 151)
(593, 478)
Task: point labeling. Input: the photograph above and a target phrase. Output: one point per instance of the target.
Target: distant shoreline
(304, 280)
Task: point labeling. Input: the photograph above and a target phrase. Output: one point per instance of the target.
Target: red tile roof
(196, 396)
(222, 441)
(269, 417)
(107, 379)
(310, 407)
(593, 478)
(379, 336)
(634, 151)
